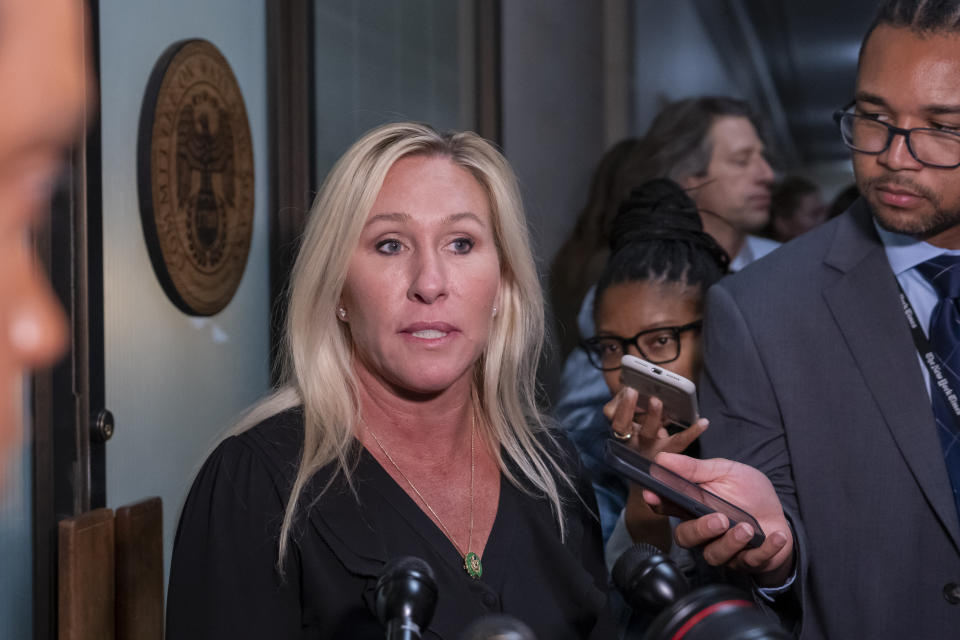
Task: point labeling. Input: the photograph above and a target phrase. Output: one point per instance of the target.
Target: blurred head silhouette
(44, 77)
(796, 207)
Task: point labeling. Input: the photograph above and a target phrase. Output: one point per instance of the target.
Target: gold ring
(621, 436)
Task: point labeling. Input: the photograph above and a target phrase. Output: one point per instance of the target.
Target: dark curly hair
(921, 16)
(658, 236)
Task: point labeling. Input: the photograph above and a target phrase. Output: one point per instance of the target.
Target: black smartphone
(687, 495)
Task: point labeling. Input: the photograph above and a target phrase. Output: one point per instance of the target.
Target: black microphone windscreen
(631, 559)
(406, 592)
(648, 579)
(405, 565)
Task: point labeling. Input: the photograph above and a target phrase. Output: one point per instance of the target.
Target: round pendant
(471, 562)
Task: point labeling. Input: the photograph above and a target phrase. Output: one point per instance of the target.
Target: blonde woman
(407, 425)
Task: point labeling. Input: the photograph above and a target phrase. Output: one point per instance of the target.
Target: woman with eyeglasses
(649, 303)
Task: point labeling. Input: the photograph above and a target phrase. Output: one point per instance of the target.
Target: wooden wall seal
(196, 177)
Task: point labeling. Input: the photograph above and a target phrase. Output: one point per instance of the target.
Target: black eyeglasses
(659, 346)
(931, 147)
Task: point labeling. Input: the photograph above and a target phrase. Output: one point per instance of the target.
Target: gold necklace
(471, 561)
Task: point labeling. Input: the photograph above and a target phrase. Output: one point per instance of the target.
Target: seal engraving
(196, 179)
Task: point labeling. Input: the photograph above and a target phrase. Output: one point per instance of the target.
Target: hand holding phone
(676, 489)
(770, 564)
(643, 427)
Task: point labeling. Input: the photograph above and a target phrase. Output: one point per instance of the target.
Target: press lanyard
(929, 358)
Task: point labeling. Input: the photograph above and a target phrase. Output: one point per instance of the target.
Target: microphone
(498, 627)
(406, 595)
(651, 582)
(648, 580)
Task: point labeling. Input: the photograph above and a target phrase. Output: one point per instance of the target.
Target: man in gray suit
(813, 375)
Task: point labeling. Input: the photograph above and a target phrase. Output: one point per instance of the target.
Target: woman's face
(628, 308)
(423, 281)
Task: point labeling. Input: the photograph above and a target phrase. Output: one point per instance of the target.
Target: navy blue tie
(943, 272)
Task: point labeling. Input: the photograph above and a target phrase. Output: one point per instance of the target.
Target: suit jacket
(811, 375)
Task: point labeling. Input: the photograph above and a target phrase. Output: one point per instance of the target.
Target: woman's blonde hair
(318, 368)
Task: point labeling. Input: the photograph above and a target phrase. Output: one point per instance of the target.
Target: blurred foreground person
(44, 78)
(834, 369)
(407, 425)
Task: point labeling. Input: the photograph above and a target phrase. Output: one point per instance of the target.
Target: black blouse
(224, 583)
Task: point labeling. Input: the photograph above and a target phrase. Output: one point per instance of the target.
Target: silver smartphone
(679, 395)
